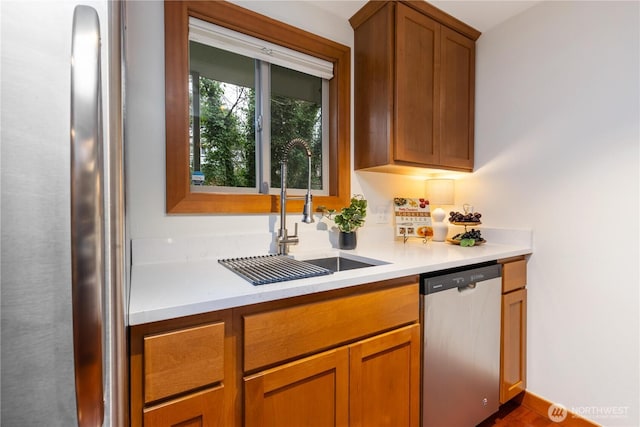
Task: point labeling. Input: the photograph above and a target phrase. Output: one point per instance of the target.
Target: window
(244, 109)
(232, 163)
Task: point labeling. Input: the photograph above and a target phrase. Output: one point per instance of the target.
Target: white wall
(557, 116)
(556, 150)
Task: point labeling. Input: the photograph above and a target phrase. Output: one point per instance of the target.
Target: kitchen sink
(340, 263)
(261, 270)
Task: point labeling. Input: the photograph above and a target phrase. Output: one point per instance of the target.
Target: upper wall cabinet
(414, 88)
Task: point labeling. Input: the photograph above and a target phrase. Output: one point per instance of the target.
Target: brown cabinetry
(178, 372)
(372, 382)
(183, 360)
(275, 336)
(414, 88)
(385, 380)
(457, 100)
(514, 329)
(311, 391)
(349, 357)
(201, 409)
(371, 378)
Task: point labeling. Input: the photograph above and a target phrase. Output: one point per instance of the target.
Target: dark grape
(460, 217)
(471, 234)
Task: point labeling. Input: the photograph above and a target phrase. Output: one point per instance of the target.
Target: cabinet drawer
(182, 360)
(195, 410)
(280, 335)
(514, 275)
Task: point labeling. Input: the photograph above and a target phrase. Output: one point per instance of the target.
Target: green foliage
(228, 138)
(352, 217)
(227, 152)
(290, 119)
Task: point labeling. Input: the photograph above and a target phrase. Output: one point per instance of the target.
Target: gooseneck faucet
(284, 239)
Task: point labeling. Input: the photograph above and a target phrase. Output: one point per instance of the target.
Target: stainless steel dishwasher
(460, 314)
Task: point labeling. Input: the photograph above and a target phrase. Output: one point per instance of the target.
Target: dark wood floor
(512, 414)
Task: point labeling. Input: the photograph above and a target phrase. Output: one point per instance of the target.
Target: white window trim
(263, 127)
(221, 189)
(232, 41)
(325, 138)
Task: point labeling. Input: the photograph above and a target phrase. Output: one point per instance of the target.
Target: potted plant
(349, 220)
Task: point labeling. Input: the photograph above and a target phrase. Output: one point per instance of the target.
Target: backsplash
(313, 238)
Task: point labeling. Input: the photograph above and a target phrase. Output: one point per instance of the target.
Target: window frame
(179, 197)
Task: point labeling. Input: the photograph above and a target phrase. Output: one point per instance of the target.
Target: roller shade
(232, 41)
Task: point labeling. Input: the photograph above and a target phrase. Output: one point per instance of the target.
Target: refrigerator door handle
(87, 216)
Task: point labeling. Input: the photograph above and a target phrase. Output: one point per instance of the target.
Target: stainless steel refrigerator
(64, 265)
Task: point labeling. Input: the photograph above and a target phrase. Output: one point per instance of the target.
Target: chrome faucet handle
(284, 240)
(284, 236)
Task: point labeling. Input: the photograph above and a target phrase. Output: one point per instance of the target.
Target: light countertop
(189, 285)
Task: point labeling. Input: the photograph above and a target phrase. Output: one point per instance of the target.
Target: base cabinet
(348, 357)
(513, 366)
(181, 372)
(373, 382)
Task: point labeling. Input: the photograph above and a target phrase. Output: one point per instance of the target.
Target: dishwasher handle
(467, 288)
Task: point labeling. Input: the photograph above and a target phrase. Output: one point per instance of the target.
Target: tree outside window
(228, 139)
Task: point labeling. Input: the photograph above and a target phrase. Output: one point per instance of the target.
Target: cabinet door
(457, 90)
(385, 380)
(417, 75)
(514, 344)
(312, 392)
(195, 410)
(373, 93)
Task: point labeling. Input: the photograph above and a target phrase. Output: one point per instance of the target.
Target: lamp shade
(440, 191)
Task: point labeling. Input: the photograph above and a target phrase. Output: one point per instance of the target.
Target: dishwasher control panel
(459, 277)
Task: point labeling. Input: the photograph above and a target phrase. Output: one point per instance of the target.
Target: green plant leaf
(353, 216)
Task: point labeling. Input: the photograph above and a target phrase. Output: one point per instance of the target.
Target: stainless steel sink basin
(339, 263)
(260, 270)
